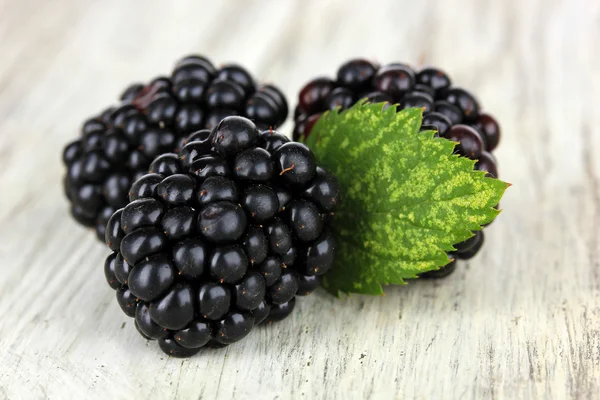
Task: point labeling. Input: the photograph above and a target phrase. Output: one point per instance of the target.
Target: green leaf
(407, 198)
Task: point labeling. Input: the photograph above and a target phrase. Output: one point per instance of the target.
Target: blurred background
(518, 321)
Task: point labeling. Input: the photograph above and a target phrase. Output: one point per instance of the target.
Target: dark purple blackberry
(434, 78)
(489, 129)
(278, 312)
(443, 271)
(468, 141)
(487, 163)
(378, 97)
(356, 74)
(439, 121)
(340, 97)
(394, 80)
(418, 100)
(470, 247)
(314, 94)
(464, 100)
(267, 107)
(221, 238)
(116, 147)
(452, 112)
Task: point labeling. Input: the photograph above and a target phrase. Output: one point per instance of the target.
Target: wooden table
(521, 320)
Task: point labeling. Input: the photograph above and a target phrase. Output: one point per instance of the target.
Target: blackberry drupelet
(221, 237)
(116, 147)
(451, 111)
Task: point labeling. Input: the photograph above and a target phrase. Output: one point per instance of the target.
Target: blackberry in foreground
(221, 237)
(453, 112)
(116, 147)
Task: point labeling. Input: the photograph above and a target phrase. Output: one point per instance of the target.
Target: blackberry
(116, 147)
(442, 272)
(453, 112)
(221, 237)
(469, 141)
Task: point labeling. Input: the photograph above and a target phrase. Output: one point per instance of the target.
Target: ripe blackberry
(117, 146)
(451, 111)
(221, 237)
(442, 272)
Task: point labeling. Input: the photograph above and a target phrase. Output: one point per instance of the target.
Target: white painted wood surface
(521, 320)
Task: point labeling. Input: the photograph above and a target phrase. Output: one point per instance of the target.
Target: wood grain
(521, 320)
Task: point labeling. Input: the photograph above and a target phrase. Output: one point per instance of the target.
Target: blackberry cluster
(221, 237)
(117, 146)
(452, 111)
